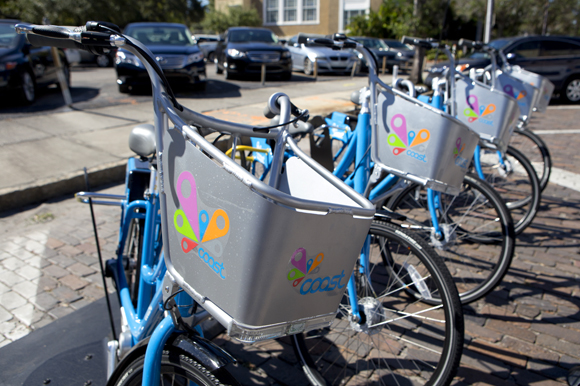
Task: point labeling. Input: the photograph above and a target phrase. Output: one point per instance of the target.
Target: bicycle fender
(201, 350)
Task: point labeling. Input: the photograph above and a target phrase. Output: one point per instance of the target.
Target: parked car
(380, 50)
(405, 53)
(304, 55)
(80, 57)
(243, 50)
(555, 57)
(23, 67)
(174, 49)
(207, 45)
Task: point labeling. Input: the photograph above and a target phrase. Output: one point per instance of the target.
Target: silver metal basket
(415, 141)
(524, 93)
(546, 88)
(491, 113)
(264, 262)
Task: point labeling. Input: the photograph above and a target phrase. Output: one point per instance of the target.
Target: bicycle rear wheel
(478, 233)
(516, 182)
(399, 338)
(536, 151)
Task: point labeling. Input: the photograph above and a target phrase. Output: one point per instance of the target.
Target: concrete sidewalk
(43, 156)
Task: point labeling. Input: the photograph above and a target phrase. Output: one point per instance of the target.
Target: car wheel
(103, 61)
(218, 70)
(571, 92)
(210, 57)
(124, 89)
(28, 88)
(308, 67)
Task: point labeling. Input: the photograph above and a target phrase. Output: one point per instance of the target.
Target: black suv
(23, 67)
(555, 57)
(243, 50)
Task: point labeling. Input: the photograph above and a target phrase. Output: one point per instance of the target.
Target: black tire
(516, 182)
(210, 56)
(479, 233)
(308, 67)
(571, 91)
(103, 60)
(286, 76)
(27, 91)
(177, 368)
(536, 151)
(389, 344)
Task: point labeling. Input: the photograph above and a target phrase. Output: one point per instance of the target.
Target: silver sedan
(305, 55)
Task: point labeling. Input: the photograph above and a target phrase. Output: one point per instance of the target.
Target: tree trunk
(417, 71)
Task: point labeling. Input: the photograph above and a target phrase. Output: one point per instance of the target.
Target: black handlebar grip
(349, 45)
(470, 44)
(51, 31)
(40, 41)
(322, 41)
(268, 113)
(97, 26)
(102, 39)
(418, 42)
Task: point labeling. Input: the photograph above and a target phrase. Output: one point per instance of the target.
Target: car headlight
(198, 56)
(235, 53)
(128, 58)
(286, 54)
(399, 54)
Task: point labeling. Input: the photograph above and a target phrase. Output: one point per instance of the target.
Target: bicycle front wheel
(515, 179)
(398, 338)
(177, 369)
(536, 151)
(478, 238)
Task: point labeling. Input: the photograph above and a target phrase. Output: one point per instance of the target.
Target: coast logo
(197, 228)
(476, 112)
(512, 91)
(303, 274)
(457, 151)
(402, 141)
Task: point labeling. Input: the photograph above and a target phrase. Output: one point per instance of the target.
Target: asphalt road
(94, 87)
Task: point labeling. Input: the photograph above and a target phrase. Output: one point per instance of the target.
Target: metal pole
(315, 68)
(59, 70)
(263, 73)
(488, 21)
(353, 69)
(384, 65)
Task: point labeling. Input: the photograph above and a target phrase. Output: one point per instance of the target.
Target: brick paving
(525, 332)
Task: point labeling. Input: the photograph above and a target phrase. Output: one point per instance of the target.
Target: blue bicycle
(200, 236)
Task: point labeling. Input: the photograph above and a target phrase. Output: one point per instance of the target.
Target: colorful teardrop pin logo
(215, 229)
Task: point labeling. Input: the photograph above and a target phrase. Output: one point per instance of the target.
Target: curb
(43, 190)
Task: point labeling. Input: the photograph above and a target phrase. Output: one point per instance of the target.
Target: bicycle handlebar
(477, 45)
(424, 43)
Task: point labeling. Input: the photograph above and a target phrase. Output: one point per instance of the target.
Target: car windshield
(8, 36)
(161, 36)
(374, 43)
(252, 35)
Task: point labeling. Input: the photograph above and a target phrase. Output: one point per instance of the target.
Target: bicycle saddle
(142, 140)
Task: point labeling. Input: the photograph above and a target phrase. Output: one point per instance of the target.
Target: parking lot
(526, 332)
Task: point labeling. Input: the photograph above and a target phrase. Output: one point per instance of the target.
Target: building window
(309, 10)
(350, 14)
(280, 12)
(271, 11)
(290, 10)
